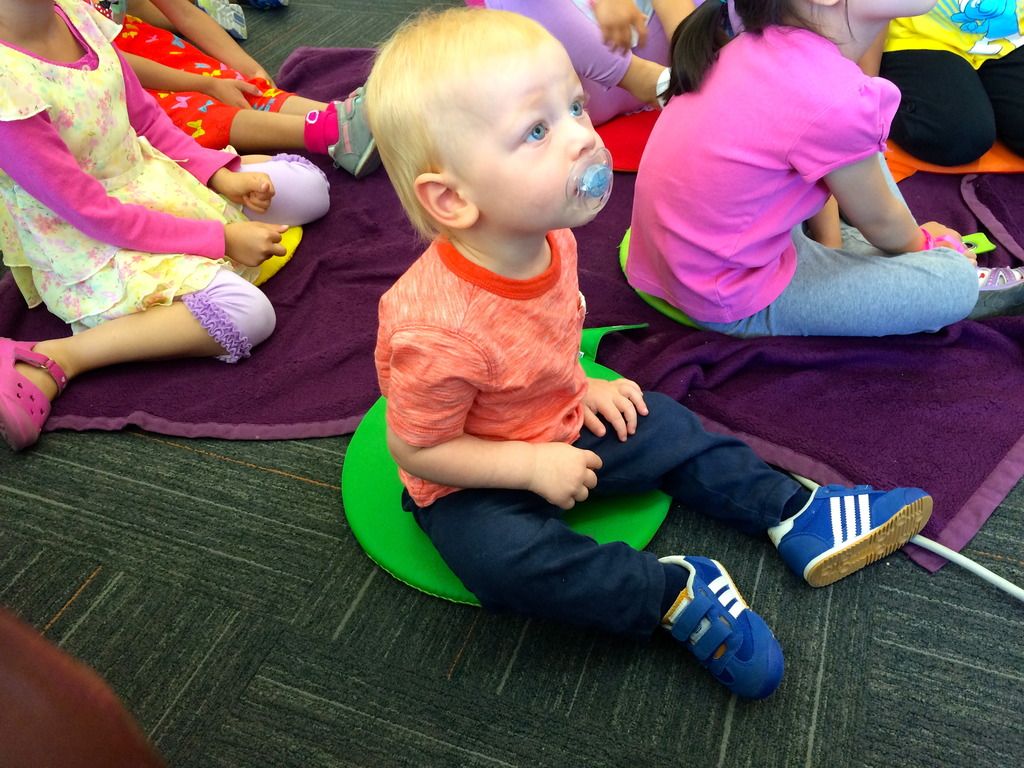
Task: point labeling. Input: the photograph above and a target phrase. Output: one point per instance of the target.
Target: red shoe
(23, 406)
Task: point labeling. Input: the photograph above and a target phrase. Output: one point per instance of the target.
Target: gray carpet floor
(216, 586)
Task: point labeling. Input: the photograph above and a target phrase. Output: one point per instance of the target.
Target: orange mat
(999, 159)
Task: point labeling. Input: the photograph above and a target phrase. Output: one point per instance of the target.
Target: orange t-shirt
(462, 350)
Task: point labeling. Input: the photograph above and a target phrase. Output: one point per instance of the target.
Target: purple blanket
(940, 411)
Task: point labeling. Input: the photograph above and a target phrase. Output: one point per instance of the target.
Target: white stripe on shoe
(728, 595)
(865, 513)
(851, 518)
(834, 505)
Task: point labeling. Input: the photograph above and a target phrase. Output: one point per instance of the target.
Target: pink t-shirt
(461, 350)
(730, 170)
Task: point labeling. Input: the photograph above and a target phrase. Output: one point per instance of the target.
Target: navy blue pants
(514, 552)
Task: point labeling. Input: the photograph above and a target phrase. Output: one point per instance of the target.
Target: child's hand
(253, 242)
(617, 401)
(618, 20)
(563, 474)
(251, 189)
(950, 238)
(259, 73)
(230, 92)
(260, 191)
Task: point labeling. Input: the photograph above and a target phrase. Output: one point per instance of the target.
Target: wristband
(942, 241)
(949, 242)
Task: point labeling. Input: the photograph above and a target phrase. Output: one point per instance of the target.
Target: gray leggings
(858, 290)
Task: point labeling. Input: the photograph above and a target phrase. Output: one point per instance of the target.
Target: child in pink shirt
(751, 146)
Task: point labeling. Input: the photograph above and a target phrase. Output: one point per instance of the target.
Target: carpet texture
(928, 410)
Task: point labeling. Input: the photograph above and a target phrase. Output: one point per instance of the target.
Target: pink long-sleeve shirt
(45, 168)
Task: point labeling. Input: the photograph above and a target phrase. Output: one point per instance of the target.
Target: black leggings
(951, 113)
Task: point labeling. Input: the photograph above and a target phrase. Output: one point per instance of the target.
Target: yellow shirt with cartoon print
(976, 30)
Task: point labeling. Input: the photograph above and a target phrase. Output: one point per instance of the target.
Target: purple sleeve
(44, 167)
(580, 36)
(150, 121)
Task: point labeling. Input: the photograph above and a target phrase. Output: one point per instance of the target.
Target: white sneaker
(229, 16)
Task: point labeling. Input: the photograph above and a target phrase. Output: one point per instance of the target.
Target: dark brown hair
(697, 41)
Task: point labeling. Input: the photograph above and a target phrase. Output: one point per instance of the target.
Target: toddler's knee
(259, 317)
(668, 414)
(958, 283)
(235, 313)
(312, 189)
(966, 295)
(246, 306)
(301, 191)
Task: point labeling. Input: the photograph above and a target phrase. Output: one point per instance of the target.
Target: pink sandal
(23, 406)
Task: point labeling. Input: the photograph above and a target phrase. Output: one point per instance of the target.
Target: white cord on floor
(954, 557)
(965, 562)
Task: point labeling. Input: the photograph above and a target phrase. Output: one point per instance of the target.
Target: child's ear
(444, 203)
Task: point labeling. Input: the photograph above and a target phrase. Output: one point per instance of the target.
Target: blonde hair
(418, 77)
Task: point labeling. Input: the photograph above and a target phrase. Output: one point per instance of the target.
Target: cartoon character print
(993, 20)
(112, 9)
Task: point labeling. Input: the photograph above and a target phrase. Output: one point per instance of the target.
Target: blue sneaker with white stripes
(841, 530)
(711, 618)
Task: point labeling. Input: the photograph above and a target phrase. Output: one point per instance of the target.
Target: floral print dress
(82, 280)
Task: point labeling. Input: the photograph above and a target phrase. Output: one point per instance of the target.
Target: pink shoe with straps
(23, 406)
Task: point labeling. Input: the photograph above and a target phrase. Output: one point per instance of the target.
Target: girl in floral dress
(125, 228)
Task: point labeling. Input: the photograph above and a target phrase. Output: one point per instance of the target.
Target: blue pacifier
(590, 180)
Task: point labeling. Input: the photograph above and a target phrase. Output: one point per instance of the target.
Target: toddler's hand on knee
(562, 474)
(253, 242)
(619, 402)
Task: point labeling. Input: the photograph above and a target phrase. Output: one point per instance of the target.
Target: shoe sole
(19, 432)
(1006, 302)
(881, 542)
(369, 161)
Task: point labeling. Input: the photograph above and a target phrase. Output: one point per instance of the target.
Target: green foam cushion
(658, 303)
(372, 497)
